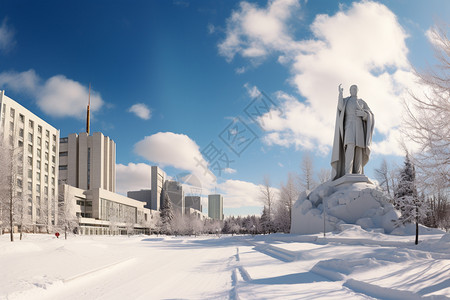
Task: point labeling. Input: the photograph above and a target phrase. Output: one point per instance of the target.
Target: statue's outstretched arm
(340, 98)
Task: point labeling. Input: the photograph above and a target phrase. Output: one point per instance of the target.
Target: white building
(88, 161)
(157, 184)
(142, 195)
(176, 195)
(215, 206)
(36, 141)
(99, 211)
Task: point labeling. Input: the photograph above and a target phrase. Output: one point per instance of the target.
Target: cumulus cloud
(363, 44)
(239, 193)
(132, 177)
(57, 96)
(178, 151)
(141, 110)
(7, 41)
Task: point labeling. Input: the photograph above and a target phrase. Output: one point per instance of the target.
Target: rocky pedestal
(351, 199)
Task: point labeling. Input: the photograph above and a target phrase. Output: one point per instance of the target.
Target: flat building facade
(88, 161)
(215, 206)
(34, 152)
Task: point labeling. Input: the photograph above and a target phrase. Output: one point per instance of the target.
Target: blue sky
(194, 66)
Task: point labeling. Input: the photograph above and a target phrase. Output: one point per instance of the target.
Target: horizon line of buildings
(80, 169)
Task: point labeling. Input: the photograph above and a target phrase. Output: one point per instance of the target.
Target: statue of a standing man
(352, 135)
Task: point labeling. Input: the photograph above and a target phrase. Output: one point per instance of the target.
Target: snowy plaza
(352, 264)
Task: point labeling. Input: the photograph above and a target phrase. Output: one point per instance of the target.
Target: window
(21, 118)
(20, 143)
(30, 124)
(30, 210)
(46, 155)
(38, 200)
(80, 202)
(53, 159)
(46, 167)
(11, 140)
(63, 140)
(12, 112)
(38, 212)
(11, 126)
(30, 185)
(40, 129)
(46, 144)
(30, 161)
(19, 183)
(54, 148)
(30, 149)
(46, 190)
(47, 133)
(63, 153)
(62, 167)
(21, 132)
(53, 170)
(38, 188)
(54, 138)
(38, 152)
(46, 178)
(53, 180)
(38, 164)
(39, 141)
(38, 176)
(30, 137)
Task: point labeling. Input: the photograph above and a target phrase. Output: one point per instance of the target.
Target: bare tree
(268, 195)
(307, 172)
(289, 193)
(428, 114)
(67, 219)
(386, 177)
(324, 175)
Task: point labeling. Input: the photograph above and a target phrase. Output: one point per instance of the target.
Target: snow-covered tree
(268, 196)
(166, 215)
(386, 177)
(428, 114)
(307, 181)
(266, 221)
(412, 208)
(289, 193)
(67, 219)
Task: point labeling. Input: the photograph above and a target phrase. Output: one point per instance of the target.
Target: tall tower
(215, 206)
(88, 112)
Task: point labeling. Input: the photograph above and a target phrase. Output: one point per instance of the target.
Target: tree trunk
(21, 231)
(11, 225)
(65, 232)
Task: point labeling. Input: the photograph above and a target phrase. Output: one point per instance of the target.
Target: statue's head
(354, 90)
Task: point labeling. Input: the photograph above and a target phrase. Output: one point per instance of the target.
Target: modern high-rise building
(193, 202)
(215, 206)
(35, 144)
(88, 161)
(157, 184)
(176, 195)
(142, 195)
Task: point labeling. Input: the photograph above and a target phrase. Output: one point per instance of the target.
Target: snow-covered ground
(353, 264)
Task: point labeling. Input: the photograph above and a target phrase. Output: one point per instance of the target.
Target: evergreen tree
(412, 208)
(167, 215)
(266, 224)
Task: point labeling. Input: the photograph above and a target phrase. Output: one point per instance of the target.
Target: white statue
(352, 135)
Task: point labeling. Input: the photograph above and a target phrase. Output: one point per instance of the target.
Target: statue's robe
(363, 133)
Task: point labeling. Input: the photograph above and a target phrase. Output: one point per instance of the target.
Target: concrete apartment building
(36, 144)
(88, 161)
(215, 206)
(157, 184)
(176, 195)
(142, 195)
(193, 202)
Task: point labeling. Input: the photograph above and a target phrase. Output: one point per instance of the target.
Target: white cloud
(239, 193)
(363, 45)
(141, 110)
(252, 91)
(132, 177)
(229, 171)
(62, 97)
(178, 151)
(7, 41)
(58, 96)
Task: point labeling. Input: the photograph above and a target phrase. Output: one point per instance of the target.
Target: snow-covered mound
(360, 203)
